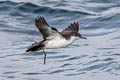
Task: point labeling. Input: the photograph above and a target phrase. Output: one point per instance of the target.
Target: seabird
(52, 38)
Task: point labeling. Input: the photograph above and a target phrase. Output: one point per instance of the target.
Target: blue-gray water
(97, 58)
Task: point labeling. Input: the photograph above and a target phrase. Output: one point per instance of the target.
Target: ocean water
(97, 58)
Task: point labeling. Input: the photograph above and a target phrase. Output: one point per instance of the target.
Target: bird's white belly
(58, 43)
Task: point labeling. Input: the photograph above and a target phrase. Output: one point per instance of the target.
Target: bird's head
(78, 35)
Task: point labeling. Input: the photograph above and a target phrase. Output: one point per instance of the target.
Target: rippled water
(98, 57)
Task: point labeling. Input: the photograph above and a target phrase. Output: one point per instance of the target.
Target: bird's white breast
(59, 42)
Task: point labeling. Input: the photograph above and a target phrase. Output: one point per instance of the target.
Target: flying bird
(52, 38)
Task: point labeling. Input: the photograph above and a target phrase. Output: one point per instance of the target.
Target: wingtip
(40, 18)
(76, 22)
(74, 26)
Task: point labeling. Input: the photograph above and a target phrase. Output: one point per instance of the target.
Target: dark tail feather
(35, 47)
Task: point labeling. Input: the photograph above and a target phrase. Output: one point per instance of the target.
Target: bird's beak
(83, 37)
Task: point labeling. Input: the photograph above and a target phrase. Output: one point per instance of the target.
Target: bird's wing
(46, 31)
(73, 27)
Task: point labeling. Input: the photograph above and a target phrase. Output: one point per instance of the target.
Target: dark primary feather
(72, 28)
(45, 29)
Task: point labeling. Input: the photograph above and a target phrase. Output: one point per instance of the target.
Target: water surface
(98, 57)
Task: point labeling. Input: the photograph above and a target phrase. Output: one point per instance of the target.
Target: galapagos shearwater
(52, 38)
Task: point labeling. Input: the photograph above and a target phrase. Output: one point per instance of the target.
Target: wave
(26, 7)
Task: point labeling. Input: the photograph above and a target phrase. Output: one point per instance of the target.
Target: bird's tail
(35, 47)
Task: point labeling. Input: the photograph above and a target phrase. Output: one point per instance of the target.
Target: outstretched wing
(46, 31)
(73, 27)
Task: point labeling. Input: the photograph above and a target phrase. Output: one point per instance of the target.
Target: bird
(52, 38)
